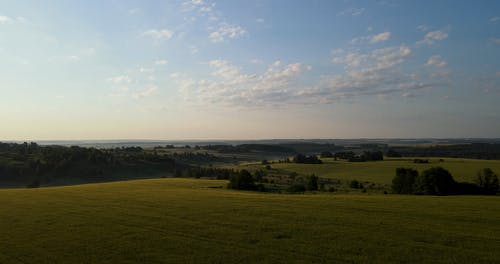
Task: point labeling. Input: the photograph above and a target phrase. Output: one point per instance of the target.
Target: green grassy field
(383, 171)
(186, 221)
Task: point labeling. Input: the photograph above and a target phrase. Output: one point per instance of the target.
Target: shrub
(404, 181)
(326, 154)
(242, 181)
(312, 183)
(355, 184)
(296, 187)
(487, 181)
(435, 181)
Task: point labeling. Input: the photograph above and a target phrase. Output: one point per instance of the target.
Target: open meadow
(193, 221)
(380, 172)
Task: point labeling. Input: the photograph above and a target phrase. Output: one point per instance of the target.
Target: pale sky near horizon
(230, 69)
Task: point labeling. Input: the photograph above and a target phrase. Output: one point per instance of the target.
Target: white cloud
(161, 62)
(148, 91)
(230, 86)
(158, 34)
(73, 58)
(10, 20)
(380, 37)
(5, 20)
(120, 79)
(256, 61)
(372, 39)
(260, 20)
(147, 70)
(194, 50)
(436, 61)
(227, 31)
(494, 19)
(337, 51)
(352, 11)
(423, 28)
(135, 11)
(431, 37)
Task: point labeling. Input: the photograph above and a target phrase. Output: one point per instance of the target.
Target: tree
(242, 181)
(312, 183)
(487, 181)
(404, 181)
(326, 154)
(435, 181)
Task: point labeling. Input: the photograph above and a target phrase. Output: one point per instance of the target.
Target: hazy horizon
(245, 70)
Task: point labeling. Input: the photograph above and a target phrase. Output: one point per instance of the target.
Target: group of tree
(27, 163)
(301, 158)
(471, 151)
(368, 156)
(439, 181)
(205, 172)
(302, 184)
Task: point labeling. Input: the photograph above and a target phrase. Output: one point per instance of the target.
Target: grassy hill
(190, 221)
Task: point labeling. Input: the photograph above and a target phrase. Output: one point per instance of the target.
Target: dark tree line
(32, 163)
(438, 181)
(301, 158)
(471, 151)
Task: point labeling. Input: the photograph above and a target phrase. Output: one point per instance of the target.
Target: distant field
(383, 171)
(185, 221)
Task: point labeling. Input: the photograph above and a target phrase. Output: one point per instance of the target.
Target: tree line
(439, 181)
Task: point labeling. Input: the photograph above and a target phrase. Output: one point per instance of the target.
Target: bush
(296, 187)
(487, 181)
(312, 183)
(404, 181)
(242, 181)
(326, 154)
(435, 181)
(355, 184)
(300, 158)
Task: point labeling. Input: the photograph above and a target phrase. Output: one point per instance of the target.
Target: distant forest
(470, 151)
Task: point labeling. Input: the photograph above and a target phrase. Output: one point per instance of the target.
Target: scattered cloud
(11, 20)
(256, 61)
(120, 79)
(496, 40)
(436, 61)
(5, 20)
(229, 85)
(227, 31)
(352, 11)
(158, 34)
(260, 20)
(73, 58)
(194, 50)
(372, 39)
(337, 51)
(219, 29)
(498, 73)
(146, 70)
(423, 28)
(148, 91)
(135, 11)
(374, 73)
(494, 19)
(431, 37)
(161, 62)
(380, 37)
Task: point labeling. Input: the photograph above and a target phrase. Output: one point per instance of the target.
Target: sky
(232, 69)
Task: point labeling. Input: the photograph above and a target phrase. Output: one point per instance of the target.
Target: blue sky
(205, 69)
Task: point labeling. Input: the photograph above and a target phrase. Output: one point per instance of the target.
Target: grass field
(186, 221)
(383, 171)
